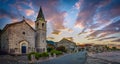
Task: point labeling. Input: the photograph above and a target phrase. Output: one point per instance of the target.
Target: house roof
(51, 42)
(66, 40)
(11, 24)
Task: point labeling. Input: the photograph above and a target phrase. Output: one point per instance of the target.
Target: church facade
(21, 38)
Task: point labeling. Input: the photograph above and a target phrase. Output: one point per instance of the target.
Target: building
(51, 44)
(21, 38)
(69, 45)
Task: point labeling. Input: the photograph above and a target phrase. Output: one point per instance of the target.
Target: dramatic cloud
(94, 19)
(87, 11)
(29, 12)
(94, 14)
(14, 20)
(50, 38)
(107, 38)
(78, 4)
(30, 22)
(110, 29)
(117, 40)
(70, 30)
(52, 14)
(56, 32)
(69, 38)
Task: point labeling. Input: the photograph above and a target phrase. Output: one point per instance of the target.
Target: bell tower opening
(42, 25)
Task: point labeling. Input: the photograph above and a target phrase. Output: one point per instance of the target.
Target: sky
(81, 21)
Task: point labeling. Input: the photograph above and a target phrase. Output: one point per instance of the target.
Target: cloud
(107, 38)
(7, 13)
(78, 4)
(95, 15)
(117, 40)
(50, 38)
(95, 33)
(109, 29)
(30, 22)
(50, 10)
(15, 20)
(69, 38)
(91, 38)
(89, 11)
(52, 14)
(70, 30)
(29, 12)
(56, 32)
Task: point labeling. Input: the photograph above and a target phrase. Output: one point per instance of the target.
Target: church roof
(40, 14)
(11, 24)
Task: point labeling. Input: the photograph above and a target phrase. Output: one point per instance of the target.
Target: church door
(23, 49)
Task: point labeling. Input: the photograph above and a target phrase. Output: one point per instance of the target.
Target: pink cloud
(56, 32)
(15, 20)
(29, 12)
(78, 4)
(30, 22)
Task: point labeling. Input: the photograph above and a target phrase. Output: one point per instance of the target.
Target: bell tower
(40, 26)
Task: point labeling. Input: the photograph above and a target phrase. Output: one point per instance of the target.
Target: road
(76, 58)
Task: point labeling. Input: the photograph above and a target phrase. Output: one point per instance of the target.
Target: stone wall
(4, 40)
(21, 32)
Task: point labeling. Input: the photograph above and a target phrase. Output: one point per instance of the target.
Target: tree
(114, 48)
(49, 49)
(61, 48)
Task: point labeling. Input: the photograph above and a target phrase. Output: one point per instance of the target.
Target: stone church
(21, 38)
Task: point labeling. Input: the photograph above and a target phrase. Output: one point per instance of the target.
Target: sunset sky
(82, 21)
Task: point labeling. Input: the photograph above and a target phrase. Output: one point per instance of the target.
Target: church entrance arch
(23, 47)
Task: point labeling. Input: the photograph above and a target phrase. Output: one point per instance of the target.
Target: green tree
(49, 49)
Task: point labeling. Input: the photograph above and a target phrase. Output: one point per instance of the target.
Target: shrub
(56, 52)
(49, 49)
(29, 55)
(44, 54)
(37, 56)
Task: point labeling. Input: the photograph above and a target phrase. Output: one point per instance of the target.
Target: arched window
(37, 24)
(23, 33)
(42, 25)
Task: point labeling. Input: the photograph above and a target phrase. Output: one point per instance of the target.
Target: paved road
(77, 58)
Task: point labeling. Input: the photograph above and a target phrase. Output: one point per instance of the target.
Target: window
(23, 33)
(43, 49)
(37, 24)
(42, 25)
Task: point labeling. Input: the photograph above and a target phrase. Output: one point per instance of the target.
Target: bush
(45, 54)
(56, 52)
(37, 56)
(49, 49)
(29, 55)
